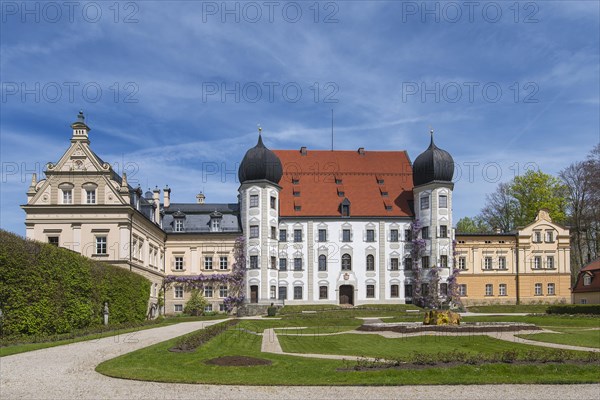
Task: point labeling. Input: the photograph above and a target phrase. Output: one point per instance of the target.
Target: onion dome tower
(432, 178)
(259, 174)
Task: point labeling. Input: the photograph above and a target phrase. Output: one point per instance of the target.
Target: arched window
(322, 262)
(346, 262)
(370, 263)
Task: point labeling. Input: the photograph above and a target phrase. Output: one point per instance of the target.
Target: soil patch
(238, 361)
(413, 366)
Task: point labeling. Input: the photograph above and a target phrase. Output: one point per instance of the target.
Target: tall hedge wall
(45, 289)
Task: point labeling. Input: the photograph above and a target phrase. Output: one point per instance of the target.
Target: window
(444, 289)
(178, 308)
(424, 202)
(537, 262)
(425, 289)
(537, 289)
(408, 263)
(178, 225)
(222, 307)
(425, 232)
(346, 236)
(425, 262)
(322, 235)
(444, 261)
(462, 262)
(208, 308)
(346, 262)
(384, 193)
(282, 293)
(407, 235)
(322, 262)
(67, 196)
(215, 224)
(462, 290)
(551, 289)
(489, 289)
(370, 235)
(223, 262)
(272, 292)
(550, 262)
(208, 291)
(273, 262)
(583, 301)
(487, 263)
(208, 262)
(370, 262)
(394, 291)
(283, 235)
(273, 233)
(253, 200)
(443, 200)
(296, 193)
(549, 236)
(408, 291)
(253, 262)
(587, 280)
(253, 231)
(297, 292)
(283, 264)
(537, 237)
(297, 208)
(345, 210)
(341, 193)
(297, 235)
(322, 292)
(502, 262)
(394, 235)
(394, 264)
(370, 291)
(53, 240)
(295, 181)
(502, 289)
(273, 202)
(100, 244)
(443, 231)
(338, 181)
(90, 196)
(297, 264)
(178, 263)
(179, 292)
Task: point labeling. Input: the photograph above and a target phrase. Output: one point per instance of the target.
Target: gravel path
(67, 372)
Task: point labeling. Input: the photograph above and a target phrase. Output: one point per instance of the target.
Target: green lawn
(521, 308)
(573, 337)
(377, 346)
(157, 363)
(32, 343)
(549, 321)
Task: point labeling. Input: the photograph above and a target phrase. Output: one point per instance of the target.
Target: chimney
(361, 151)
(167, 196)
(156, 200)
(200, 197)
(498, 230)
(303, 150)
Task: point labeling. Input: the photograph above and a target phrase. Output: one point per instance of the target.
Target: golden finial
(259, 129)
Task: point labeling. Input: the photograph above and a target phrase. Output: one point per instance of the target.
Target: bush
(47, 290)
(574, 309)
(196, 303)
(196, 339)
(272, 311)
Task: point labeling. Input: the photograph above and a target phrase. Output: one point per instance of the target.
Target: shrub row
(461, 357)
(191, 342)
(47, 290)
(574, 309)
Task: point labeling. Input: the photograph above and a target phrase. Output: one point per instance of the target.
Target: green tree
(196, 303)
(472, 225)
(536, 190)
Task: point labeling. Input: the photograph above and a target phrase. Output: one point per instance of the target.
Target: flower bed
(191, 342)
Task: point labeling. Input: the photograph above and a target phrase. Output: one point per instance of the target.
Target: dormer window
(178, 218)
(179, 225)
(549, 236)
(345, 208)
(215, 221)
(587, 280)
(537, 237)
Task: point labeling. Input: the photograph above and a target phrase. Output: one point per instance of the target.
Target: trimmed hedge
(574, 309)
(191, 342)
(47, 290)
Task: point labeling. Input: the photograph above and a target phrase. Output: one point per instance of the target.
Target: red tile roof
(318, 170)
(592, 269)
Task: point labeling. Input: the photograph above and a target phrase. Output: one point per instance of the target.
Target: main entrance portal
(347, 294)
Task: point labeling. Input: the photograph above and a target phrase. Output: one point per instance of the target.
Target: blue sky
(183, 86)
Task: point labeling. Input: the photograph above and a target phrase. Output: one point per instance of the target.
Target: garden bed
(238, 361)
(476, 327)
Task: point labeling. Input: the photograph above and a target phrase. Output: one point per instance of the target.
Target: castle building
(319, 227)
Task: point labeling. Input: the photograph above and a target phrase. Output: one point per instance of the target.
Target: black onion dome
(434, 164)
(260, 163)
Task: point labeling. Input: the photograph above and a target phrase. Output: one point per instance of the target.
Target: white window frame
(67, 196)
(223, 262)
(90, 196)
(209, 291)
(489, 289)
(222, 291)
(254, 201)
(179, 263)
(101, 245)
(537, 289)
(178, 292)
(208, 262)
(502, 289)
